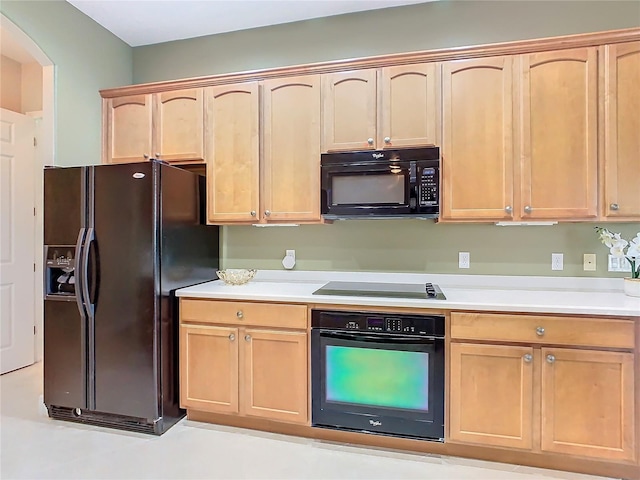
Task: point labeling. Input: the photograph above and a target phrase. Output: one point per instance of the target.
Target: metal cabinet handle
(253, 213)
(157, 155)
(614, 206)
(528, 358)
(370, 141)
(551, 358)
(145, 156)
(508, 209)
(387, 139)
(232, 337)
(239, 314)
(540, 331)
(247, 337)
(527, 209)
(267, 213)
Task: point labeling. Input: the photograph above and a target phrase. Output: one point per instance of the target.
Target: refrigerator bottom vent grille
(102, 419)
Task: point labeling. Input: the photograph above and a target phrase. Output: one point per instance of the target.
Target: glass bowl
(236, 276)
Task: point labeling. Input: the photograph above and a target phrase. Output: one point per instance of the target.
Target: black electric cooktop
(374, 289)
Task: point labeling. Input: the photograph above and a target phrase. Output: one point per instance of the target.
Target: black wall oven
(378, 373)
(390, 183)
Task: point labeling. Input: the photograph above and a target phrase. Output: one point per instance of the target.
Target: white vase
(632, 287)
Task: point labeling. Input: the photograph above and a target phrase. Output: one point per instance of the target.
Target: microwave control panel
(429, 186)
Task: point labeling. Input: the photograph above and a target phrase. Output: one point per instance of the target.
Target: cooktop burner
(372, 289)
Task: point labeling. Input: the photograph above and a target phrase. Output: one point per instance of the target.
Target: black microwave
(403, 183)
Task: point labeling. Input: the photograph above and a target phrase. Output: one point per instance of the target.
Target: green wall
(400, 245)
(422, 246)
(87, 58)
(401, 29)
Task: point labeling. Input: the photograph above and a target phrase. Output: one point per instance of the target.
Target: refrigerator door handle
(77, 271)
(86, 297)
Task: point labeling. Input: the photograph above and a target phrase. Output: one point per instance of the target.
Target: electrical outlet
(557, 261)
(618, 264)
(464, 260)
(589, 262)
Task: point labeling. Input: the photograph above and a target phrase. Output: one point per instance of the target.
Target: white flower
(618, 246)
(634, 250)
(621, 248)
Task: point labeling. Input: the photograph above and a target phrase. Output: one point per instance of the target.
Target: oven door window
(377, 376)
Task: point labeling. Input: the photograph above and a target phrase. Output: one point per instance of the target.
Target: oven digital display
(384, 378)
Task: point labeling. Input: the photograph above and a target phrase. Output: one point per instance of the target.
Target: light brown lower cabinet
(557, 400)
(242, 370)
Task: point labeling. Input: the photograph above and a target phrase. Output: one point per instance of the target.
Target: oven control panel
(379, 323)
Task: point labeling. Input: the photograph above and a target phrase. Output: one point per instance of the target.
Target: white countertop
(573, 295)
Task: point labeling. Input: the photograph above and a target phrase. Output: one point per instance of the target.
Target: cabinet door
(559, 134)
(477, 142)
(291, 155)
(349, 109)
(587, 403)
(232, 160)
(128, 129)
(179, 126)
(622, 131)
(408, 114)
(275, 375)
(491, 395)
(209, 368)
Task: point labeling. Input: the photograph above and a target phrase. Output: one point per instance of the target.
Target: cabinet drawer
(583, 331)
(243, 313)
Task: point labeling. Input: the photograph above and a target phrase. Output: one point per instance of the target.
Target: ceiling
(145, 22)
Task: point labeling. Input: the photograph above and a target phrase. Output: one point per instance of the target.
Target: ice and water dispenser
(60, 271)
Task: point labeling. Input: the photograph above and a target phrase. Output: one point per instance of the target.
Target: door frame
(45, 155)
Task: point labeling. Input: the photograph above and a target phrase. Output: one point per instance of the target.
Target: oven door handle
(396, 338)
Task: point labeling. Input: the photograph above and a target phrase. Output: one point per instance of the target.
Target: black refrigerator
(118, 241)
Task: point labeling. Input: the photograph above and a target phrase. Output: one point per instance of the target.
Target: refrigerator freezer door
(126, 300)
(64, 204)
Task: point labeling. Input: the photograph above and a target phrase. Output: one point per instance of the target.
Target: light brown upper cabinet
(233, 175)
(281, 183)
(166, 125)
(127, 129)
(559, 144)
(291, 149)
(621, 196)
(520, 137)
(390, 107)
(477, 142)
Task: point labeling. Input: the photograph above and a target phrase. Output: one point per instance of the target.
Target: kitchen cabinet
(291, 149)
(165, 125)
(520, 137)
(621, 123)
(551, 384)
(559, 144)
(478, 139)
(244, 358)
(389, 107)
(281, 182)
(233, 175)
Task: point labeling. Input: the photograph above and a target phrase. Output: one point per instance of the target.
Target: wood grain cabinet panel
(587, 403)
(275, 375)
(408, 106)
(209, 368)
(290, 163)
(233, 175)
(128, 129)
(491, 395)
(559, 122)
(622, 131)
(477, 143)
(179, 126)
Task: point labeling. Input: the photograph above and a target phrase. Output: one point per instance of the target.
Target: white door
(17, 231)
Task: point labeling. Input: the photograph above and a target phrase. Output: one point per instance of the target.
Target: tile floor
(34, 446)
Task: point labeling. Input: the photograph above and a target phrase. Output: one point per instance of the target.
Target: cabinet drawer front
(587, 331)
(244, 313)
